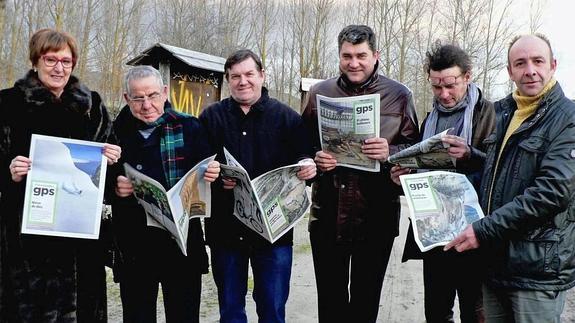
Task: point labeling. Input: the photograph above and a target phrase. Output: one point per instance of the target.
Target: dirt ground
(401, 297)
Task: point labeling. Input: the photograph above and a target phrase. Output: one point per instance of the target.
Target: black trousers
(446, 274)
(349, 277)
(166, 265)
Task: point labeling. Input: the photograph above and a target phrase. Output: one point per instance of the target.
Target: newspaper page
(430, 153)
(64, 188)
(171, 210)
(344, 124)
(441, 204)
(272, 203)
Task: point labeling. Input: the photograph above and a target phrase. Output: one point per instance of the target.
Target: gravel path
(401, 298)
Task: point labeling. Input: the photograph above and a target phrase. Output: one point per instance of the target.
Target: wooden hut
(194, 79)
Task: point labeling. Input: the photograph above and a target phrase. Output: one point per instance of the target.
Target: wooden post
(165, 72)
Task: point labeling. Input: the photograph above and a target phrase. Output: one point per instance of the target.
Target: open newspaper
(344, 123)
(430, 153)
(441, 204)
(272, 203)
(171, 210)
(64, 188)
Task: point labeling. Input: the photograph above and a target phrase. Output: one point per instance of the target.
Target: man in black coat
(527, 193)
(162, 144)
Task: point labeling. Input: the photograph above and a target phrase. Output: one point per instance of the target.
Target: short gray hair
(141, 72)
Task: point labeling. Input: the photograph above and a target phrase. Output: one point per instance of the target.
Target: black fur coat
(47, 279)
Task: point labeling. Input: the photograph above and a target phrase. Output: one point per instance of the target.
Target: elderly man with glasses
(458, 104)
(163, 144)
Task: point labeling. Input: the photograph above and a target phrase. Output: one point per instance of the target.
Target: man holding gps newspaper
(458, 104)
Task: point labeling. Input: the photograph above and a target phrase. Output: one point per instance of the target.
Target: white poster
(344, 124)
(64, 188)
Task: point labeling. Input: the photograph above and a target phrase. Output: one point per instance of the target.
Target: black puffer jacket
(529, 230)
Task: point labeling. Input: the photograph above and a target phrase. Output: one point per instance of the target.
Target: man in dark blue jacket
(527, 193)
(262, 134)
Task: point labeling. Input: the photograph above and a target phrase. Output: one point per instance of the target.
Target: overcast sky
(558, 24)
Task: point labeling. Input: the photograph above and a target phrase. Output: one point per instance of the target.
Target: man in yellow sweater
(527, 193)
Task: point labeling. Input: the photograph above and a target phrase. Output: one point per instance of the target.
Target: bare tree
(408, 15)
(14, 48)
(87, 38)
(386, 21)
(497, 34)
(34, 17)
(2, 29)
(322, 10)
(536, 8)
(56, 9)
(425, 37)
(295, 39)
(264, 14)
(184, 23)
(311, 24)
(233, 26)
(115, 43)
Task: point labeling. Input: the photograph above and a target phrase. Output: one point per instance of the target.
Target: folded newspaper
(270, 204)
(344, 124)
(171, 210)
(64, 188)
(430, 153)
(441, 204)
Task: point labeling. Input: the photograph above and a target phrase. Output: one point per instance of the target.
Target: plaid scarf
(171, 145)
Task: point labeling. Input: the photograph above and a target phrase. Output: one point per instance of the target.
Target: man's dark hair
(240, 56)
(442, 56)
(357, 34)
(538, 35)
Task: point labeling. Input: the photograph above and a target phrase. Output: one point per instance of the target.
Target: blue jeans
(524, 306)
(271, 267)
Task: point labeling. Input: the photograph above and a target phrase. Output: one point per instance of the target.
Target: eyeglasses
(446, 80)
(141, 99)
(51, 61)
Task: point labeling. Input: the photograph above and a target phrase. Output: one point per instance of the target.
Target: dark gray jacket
(528, 234)
(483, 125)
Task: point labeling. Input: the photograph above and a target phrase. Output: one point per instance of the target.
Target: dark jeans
(348, 277)
(271, 267)
(446, 274)
(181, 285)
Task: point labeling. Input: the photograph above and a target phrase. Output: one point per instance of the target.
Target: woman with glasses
(48, 279)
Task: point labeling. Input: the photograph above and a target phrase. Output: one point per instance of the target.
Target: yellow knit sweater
(526, 106)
